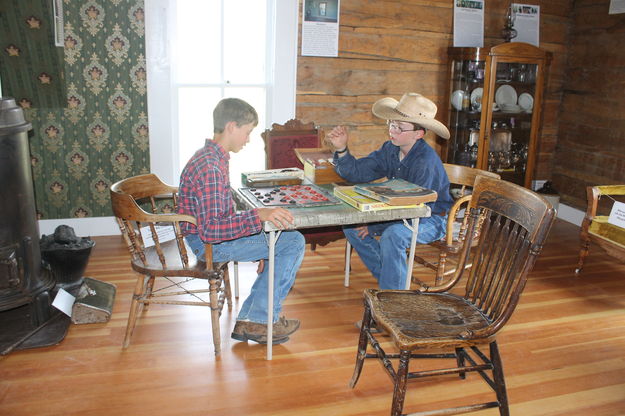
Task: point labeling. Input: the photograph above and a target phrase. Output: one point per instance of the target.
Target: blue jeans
(386, 257)
(289, 253)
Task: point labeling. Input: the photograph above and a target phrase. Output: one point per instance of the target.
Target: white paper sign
(617, 215)
(526, 23)
(63, 301)
(469, 23)
(320, 28)
(164, 233)
(617, 6)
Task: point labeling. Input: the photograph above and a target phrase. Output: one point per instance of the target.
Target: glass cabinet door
(467, 88)
(495, 98)
(510, 120)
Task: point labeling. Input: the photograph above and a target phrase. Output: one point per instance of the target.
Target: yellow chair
(596, 228)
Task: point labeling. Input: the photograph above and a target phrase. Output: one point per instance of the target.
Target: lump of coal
(64, 237)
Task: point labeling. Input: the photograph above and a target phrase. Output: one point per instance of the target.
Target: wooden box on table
(318, 167)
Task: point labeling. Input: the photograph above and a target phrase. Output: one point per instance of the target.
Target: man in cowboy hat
(406, 156)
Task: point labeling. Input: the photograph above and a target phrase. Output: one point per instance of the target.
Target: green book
(363, 203)
(396, 192)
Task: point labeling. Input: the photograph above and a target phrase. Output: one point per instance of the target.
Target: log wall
(591, 144)
(388, 47)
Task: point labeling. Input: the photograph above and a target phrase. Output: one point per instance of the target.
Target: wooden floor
(563, 350)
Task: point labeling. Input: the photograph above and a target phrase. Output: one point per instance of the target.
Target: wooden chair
(158, 250)
(280, 142)
(440, 324)
(461, 179)
(596, 228)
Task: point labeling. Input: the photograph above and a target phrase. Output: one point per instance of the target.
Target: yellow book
(364, 203)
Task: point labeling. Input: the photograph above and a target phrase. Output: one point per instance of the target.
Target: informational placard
(469, 23)
(64, 302)
(617, 6)
(526, 23)
(320, 28)
(164, 232)
(617, 215)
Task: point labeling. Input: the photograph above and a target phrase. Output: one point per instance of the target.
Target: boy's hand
(280, 217)
(338, 137)
(363, 231)
(261, 266)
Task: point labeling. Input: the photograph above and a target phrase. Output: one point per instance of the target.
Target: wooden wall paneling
(389, 47)
(591, 141)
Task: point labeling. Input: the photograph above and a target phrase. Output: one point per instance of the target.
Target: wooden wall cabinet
(494, 108)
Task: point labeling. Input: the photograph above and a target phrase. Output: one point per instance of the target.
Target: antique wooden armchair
(461, 179)
(280, 142)
(437, 324)
(158, 250)
(596, 228)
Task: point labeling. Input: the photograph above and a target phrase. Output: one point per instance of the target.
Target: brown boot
(253, 331)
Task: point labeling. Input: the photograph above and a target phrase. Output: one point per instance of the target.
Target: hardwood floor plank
(562, 350)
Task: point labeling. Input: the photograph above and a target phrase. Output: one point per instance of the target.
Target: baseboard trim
(83, 227)
(570, 214)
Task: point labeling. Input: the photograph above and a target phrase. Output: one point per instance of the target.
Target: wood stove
(27, 318)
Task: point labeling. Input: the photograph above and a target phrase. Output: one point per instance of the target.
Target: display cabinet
(494, 108)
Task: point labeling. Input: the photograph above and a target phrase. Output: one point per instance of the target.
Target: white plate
(526, 102)
(476, 99)
(505, 95)
(456, 99)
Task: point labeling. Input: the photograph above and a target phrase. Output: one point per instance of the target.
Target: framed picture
(59, 35)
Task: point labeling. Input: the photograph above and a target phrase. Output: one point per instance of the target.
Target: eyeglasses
(392, 125)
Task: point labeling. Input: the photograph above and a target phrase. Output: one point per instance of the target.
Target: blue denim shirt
(421, 166)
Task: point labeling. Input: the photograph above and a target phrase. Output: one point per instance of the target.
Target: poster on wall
(320, 28)
(469, 23)
(526, 23)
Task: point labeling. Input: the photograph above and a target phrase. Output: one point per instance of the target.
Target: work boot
(253, 331)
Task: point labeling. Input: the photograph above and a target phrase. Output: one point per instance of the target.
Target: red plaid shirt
(205, 193)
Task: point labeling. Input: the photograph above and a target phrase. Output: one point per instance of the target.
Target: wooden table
(323, 216)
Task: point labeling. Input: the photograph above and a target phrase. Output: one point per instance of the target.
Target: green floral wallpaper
(99, 134)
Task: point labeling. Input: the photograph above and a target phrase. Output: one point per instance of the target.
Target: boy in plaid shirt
(205, 193)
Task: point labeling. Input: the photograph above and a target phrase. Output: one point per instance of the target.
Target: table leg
(270, 276)
(348, 260)
(413, 243)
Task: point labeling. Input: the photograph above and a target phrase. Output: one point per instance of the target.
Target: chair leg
(227, 289)
(583, 253)
(134, 307)
(500, 384)
(214, 285)
(401, 379)
(460, 361)
(148, 292)
(440, 270)
(362, 347)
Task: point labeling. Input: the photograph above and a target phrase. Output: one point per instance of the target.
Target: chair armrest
(451, 218)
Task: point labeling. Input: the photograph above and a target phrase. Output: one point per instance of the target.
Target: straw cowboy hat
(414, 108)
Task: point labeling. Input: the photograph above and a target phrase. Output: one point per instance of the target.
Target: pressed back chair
(158, 250)
(434, 323)
(461, 179)
(280, 144)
